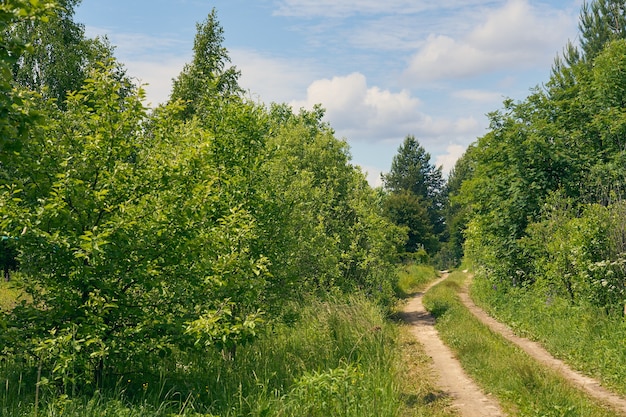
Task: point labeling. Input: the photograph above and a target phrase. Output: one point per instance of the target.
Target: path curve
(535, 350)
(466, 396)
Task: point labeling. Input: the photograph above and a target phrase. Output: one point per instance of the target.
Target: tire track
(466, 396)
(591, 386)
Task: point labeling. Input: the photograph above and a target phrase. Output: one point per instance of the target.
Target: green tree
(208, 75)
(323, 223)
(59, 54)
(412, 172)
(408, 210)
(456, 212)
(16, 114)
(601, 21)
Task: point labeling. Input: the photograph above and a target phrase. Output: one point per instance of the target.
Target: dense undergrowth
(583, 335)
(522, 386)
(412, 277)
(334, 357)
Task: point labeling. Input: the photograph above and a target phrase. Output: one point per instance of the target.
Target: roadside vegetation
(338, 356)
(211, 256)
(412, 277)
(335, 357)
(537, 204)
(588, 338)
(522, 386)
(215, 256)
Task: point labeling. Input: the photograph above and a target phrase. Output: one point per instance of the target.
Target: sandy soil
(466, 396)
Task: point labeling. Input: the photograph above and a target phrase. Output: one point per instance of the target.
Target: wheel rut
(466, 396)
(591, 386)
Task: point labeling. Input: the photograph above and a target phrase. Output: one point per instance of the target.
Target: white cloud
(272, 79)
(480, 96)
(359, 113)
(447, 160)
(373, 176)
(157, 73)
(515, 36)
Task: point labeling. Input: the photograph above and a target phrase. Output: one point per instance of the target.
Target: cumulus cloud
(372, 175)
(449, 158)
(479, 96)
(272, 79)
(516, 35)
(156, 75)
(360, 112)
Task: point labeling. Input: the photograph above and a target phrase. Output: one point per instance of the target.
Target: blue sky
(382, 69)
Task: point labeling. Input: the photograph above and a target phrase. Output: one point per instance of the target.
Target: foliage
(416, 196)
(411, 277)
(149, 240)
(563, 144)
(408, 210)
(208, 75)
(15, 110)
(59, 55)
(344, 343)
(601, 21)
(576, 333)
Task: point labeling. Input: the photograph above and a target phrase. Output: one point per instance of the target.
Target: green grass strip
(522, 386)
(582, 335)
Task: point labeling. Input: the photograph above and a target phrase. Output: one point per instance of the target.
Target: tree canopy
(417, 195)
(148, 236)
(542, 191)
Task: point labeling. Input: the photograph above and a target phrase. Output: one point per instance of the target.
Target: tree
(408, 210)
(208, 75)
(412, 172)
(16, 114)
(322, 223)
(601, 21)
(59, 55)
(456, 213)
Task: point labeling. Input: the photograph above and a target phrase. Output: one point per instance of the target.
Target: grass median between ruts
(522, 386)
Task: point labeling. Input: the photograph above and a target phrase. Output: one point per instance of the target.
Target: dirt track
(591, 386)
(466, 395)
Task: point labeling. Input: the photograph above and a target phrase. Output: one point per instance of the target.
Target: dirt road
(466, 395)
(535, 350)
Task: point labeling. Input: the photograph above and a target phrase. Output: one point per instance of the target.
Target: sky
(382, 70)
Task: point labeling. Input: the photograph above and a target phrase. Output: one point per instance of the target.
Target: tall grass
(582, 335)
(413, 277)
(522, 385)
(326, 358)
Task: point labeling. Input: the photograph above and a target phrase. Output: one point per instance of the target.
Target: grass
(522, 386)
(337, 357)
(412, 277)
(421, 397)
(584, 336)
(9, 295)
(420, 394)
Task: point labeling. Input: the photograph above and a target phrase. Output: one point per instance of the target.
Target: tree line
(538, 202)
(144, 236)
